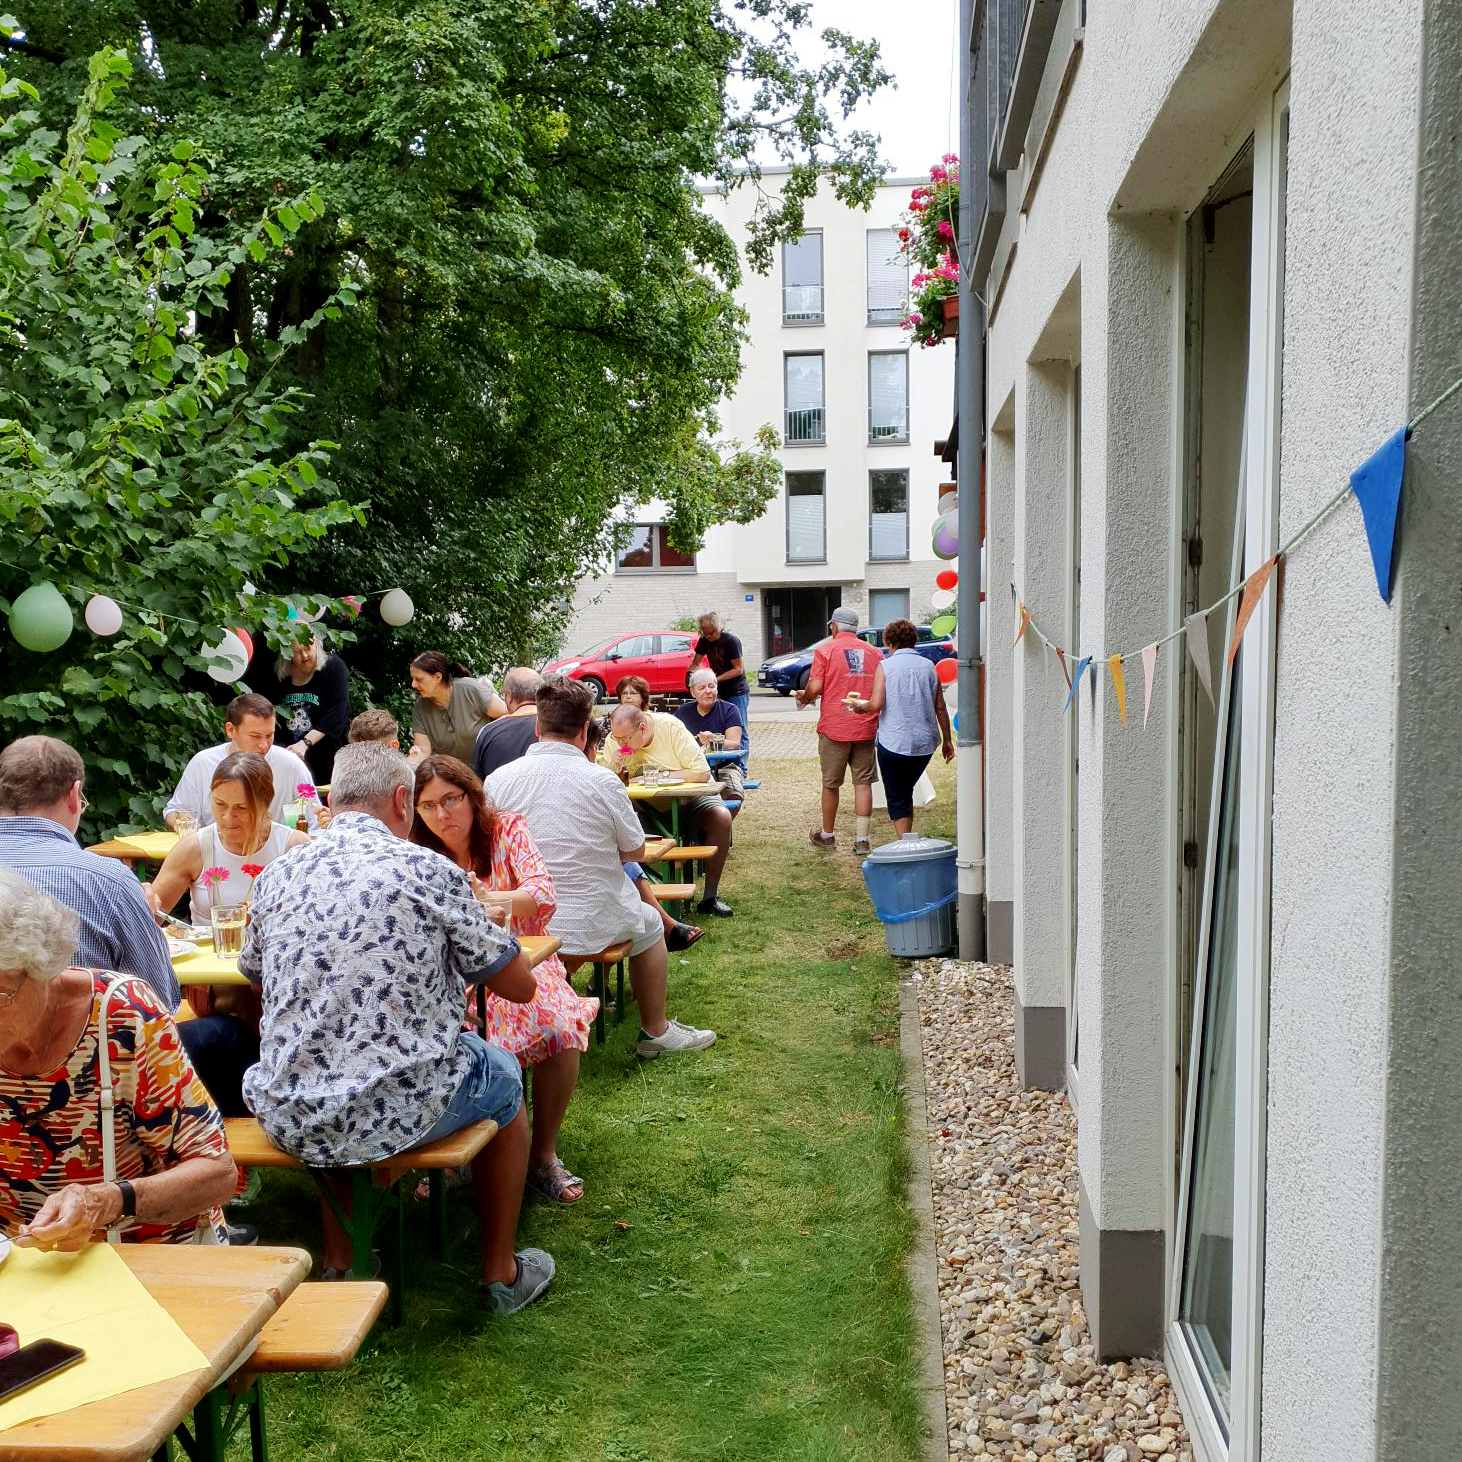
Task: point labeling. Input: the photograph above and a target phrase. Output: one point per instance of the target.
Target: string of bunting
(1376, 485)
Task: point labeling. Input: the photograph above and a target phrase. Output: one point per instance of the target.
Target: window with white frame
(888, 278)
(649, 549)
(802, 280)
(805, 424)
(888, 395)
(888, 514)
(806, 517)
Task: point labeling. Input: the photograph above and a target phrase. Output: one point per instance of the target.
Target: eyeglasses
(81, 803)
(6, 996)
(450, 803)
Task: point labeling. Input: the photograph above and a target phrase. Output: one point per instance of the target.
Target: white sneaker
(676, 1037)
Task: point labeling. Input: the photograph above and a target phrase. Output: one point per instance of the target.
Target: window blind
(888, 277)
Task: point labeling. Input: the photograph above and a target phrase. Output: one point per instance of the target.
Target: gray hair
(701, 676)
(366, 774)
(623, 715)
(282, 664)
(711, 618)
(38, 934)
(521, 684)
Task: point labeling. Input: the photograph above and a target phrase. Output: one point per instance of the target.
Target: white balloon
(396, 607)
(103, 615)
(229, 650)
(942, 599)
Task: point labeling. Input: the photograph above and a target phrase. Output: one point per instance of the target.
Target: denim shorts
(492, 1089)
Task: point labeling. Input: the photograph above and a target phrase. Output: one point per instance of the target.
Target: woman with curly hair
(454, 817)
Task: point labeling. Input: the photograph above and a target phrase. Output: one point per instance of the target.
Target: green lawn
(731, 1285)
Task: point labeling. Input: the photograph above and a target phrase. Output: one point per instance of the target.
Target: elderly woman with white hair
(312, 694)
(157, 1166)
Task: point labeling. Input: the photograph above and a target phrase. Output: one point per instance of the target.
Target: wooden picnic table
(666, 819)
(149, 847)
(204, 967)
(221, 1297)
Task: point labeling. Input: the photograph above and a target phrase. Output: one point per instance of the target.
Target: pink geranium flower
(306, 792)
(212, 876)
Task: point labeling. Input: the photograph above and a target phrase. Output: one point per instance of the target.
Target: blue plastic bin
(913, 885)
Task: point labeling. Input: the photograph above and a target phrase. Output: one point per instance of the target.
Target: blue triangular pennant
(1376, 484)
(1076, 680)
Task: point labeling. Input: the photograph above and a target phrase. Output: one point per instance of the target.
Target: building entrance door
(797, 617)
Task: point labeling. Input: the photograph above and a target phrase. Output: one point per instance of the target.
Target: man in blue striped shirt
(41, 803)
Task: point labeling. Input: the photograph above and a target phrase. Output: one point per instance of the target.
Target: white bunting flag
(1195, 628)
(1149, 670)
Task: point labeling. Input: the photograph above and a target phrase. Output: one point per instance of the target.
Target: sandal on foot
(553, 1181)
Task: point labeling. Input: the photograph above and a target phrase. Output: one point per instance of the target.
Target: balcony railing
(888, 426)
(801, 304)
(805, 425)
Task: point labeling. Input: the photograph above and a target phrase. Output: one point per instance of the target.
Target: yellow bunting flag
(1149, 666)
(1025, 619)
(1119, 684)
(1253, 592)
(1061, 656)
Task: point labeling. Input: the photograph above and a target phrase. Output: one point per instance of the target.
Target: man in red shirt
(843, 667)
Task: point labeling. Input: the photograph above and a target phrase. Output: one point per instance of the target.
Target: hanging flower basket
(950, 305)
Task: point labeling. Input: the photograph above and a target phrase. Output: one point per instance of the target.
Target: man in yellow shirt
(640, 739)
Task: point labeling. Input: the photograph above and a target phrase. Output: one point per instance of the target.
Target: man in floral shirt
(364, 945)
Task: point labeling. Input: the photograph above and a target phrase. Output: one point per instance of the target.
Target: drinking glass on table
(185, 822)
(228, 922)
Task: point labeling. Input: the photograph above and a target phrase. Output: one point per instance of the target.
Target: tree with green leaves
(138, 460)
(546, 321)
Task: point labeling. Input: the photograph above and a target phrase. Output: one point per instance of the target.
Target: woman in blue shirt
(912, 719)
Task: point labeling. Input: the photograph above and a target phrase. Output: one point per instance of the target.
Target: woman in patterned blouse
(548, 1033)
(173, 1168)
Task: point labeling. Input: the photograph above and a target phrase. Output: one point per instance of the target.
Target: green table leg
(619, 991)
(600, 991)
(258, 1439)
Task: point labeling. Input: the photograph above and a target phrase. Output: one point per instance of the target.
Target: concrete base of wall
(1122, 1285)
(1000, 932)
(1040, 1045)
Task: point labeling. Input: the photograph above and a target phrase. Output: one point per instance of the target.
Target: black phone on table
(33, 1363)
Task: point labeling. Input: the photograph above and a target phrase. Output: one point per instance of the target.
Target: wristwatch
(129, 1198)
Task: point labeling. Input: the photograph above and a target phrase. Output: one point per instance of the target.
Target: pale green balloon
(41, 619)
(944, 625)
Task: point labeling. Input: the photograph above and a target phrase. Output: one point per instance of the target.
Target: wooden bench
(656, 849)
(612, 957)
(320, 1327)
(374, 1188)
(672, 893)
(691, 853)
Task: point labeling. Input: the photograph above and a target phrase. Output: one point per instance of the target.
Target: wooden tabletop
(149, 847)
(221, 1297)
(204, 967)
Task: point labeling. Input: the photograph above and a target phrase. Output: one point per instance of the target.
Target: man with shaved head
(506, 739)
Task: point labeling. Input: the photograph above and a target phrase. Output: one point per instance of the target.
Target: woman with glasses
(547, 1034)
(67, 1035)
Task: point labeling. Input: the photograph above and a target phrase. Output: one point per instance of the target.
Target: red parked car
(661, 656)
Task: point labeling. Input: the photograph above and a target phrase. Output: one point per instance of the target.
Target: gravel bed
(1021, 1378)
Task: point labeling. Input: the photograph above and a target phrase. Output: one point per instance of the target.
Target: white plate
(180, 948)
(4, 1247)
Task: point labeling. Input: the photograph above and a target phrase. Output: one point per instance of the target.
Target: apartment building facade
(1216, 241)
(829, 366)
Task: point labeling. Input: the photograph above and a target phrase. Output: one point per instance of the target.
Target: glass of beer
(185, 822)
(228, 929)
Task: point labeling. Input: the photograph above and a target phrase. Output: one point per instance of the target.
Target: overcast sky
(916, 120)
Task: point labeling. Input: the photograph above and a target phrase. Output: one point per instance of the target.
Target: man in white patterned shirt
(583, 822)
(364, 945)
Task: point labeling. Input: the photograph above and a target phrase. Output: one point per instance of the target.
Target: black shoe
(682, 936)
(241, 1235)
(716, 907)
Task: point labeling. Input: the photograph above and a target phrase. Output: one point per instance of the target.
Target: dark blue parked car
(789, 672)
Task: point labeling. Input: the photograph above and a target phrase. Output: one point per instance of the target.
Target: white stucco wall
(1162, 98)
(1347, 292)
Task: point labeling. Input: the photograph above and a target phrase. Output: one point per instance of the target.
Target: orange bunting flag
(1061, 656)
(1119, 685)
(1253, 592)
(1149, 666)
(1025, 619)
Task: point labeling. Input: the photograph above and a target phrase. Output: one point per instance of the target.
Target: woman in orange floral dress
(547, 1034)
